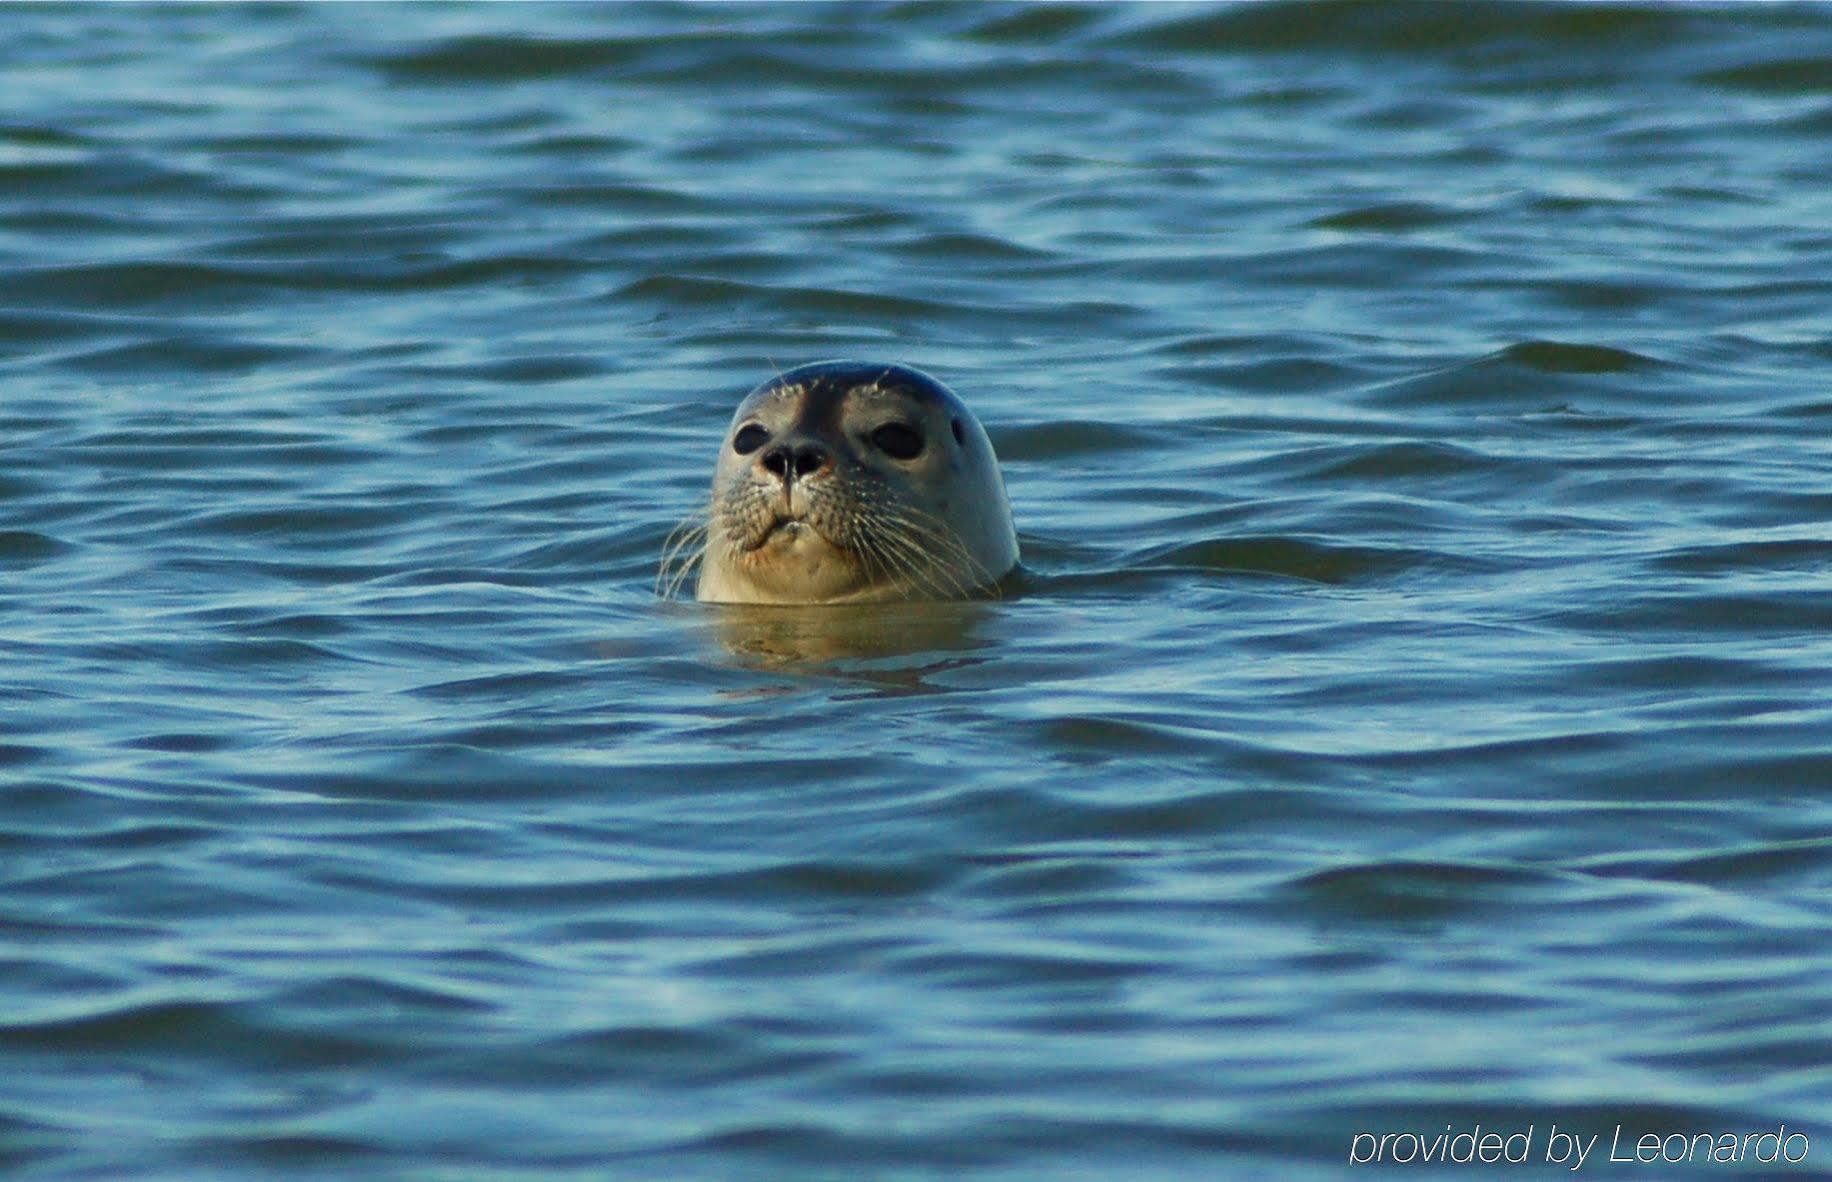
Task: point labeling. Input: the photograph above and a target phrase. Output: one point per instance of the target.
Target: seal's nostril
(809, 458)
(852, 493)
(786, 462)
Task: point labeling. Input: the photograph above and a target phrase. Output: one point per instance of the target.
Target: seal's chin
(791, 561)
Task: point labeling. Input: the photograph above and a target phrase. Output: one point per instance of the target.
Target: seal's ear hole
(960, 436)
(750, 437)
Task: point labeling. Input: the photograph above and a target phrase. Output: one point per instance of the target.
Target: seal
(849, 482)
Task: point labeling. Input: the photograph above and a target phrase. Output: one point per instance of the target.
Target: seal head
(853, 482)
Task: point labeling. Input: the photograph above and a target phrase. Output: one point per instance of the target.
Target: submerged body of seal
(851, 482)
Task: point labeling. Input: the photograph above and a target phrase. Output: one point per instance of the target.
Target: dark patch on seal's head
(823, 387)
(853, 481)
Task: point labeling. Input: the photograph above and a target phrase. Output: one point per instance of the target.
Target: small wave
(1309, 559)
(1063, 438)
(188, 355)
(1525, 377)
(1395, 217)
(43, 136)
(498, 58)
(166, 283)
(29, 327)
(210, 1030)
(254, 654)
(1276, 375)
(1560, 357)
(735, 299)
(24, 546)
(514, 687)
(1366, 263)
(1811, 75)
(19, 754)
(1412, 31)
(313, 521)
(1031, 24)
(665, 203)
(1403, 890)
(1802, 610)
(289, 1150)
(1409, 459)
(697, 291)
(1803, 861)
(959, 247)
(1802, 554)
(182, 742)
(137, 284)
(535, 370)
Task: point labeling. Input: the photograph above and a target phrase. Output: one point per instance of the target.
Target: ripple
(724, 295)
(1406, 460)
(1298, 27)
(298, 520)
(964, 247)
(1404, 891)
(1800, 862)
(1811, 75)
(1309, 559)
(1708, 612)
(1066, 439)
(675, 1055)
(183, 742)
(1396, 217)
(290, 1149)
(24, 547)
(18, 754)
(188, 354)
(1415, 424)
(1532, 377)
(136, 284)
(1026, 24)
(519, 370)
(213, 1030)
(1806, 554)
(1559, 357)
(496, 58)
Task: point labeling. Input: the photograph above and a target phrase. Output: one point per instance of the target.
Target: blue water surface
(1415, 712)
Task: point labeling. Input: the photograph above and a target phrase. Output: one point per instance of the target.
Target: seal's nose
(789, 462)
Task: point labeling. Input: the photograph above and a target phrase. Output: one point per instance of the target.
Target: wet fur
(876, 540)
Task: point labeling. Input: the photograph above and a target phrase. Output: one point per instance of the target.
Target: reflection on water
(790, 638)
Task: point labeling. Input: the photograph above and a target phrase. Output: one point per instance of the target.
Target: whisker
(884, 546)
(918, 567)
(682, 550)
(688, 565)
(936, 545)
(936, 535)
(927, 569)
(875, 532)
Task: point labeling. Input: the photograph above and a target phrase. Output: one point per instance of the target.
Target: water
(1416, 711)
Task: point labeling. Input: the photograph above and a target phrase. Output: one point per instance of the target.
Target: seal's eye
(750, 437)
(898, 441)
